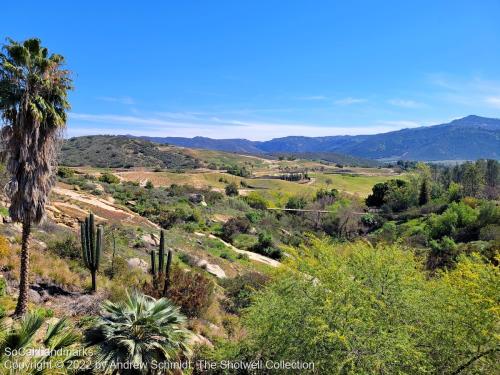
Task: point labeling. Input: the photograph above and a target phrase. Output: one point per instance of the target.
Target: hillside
(469, 138)
(108, 151)
(331, 157)
(105, 151)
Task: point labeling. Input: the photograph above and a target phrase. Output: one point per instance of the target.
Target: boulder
(34, 296)
(200, 340)
(138, 263)
(150, 239)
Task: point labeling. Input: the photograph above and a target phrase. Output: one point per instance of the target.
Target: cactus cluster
(160, 270)
(92, 241)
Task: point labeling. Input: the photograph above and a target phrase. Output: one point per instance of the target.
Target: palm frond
(139, 330)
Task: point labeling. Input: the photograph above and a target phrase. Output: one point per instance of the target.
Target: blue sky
(264, 69)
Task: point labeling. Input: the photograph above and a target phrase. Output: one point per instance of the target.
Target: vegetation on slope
(104, 151)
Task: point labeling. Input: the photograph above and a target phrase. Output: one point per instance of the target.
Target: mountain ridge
(467, 138)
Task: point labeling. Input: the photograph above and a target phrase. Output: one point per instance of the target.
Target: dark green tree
(424, 195)
(492, 173)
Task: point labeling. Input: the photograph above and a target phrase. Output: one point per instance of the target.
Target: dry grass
(43, 265)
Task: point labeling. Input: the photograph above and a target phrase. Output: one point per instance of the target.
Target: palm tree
(33, 105)
(139, 331)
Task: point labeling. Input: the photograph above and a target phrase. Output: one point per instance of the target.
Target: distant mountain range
(468, 138)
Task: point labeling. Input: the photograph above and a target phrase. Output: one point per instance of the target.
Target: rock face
(34, 296)
(214, 269)
(150, 239)
(138, 264)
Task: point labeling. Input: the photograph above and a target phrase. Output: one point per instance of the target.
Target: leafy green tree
(396, 195)
(139, 331)
(33, 104)
(472, 180)
(492, 173)
(376, 198)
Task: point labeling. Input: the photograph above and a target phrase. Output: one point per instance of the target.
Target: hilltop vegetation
(105, 151)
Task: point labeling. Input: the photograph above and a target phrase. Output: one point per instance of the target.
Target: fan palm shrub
(135, 335)
(33, 105)
(57, 349)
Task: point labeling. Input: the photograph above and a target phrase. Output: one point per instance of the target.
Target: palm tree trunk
(22, 301)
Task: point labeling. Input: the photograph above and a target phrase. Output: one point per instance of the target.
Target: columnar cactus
(167, 272)
(163, 271)
(161, 253)
(92, 241)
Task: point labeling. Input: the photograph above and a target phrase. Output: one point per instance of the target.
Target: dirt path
(251, 255)
(105, 209)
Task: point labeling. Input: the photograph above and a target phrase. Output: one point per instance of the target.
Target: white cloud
(405, 103)
(215, 127)
(493, 101)
(398, 124)
(349, 101)
(477, 93)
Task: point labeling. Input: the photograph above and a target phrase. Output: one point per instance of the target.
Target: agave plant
(139, 332)
(25, 334)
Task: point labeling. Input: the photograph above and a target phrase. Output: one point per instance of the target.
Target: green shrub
(326, 194)
(231, 189)
(444, 254)
(234, 226)
(227, 256)
(333, 298)
(44, 312)
(455, 192)
(457, 215)
(240, 289)
(65, 247)
(253, 217)
(236, 170)
(109, 178)
(65, 172)
(490, 232)
(265, 246)
(296, 203)
(3, 286)
(244, 241)
(257, 201)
